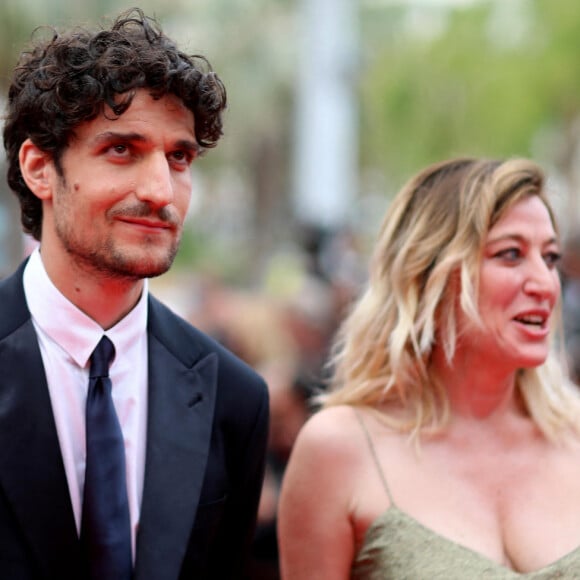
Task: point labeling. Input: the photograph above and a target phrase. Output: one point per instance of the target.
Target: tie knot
(101, 358)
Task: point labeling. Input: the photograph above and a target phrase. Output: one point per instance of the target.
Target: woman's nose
(542, 280)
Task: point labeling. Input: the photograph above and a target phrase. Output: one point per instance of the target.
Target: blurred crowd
(570, 275)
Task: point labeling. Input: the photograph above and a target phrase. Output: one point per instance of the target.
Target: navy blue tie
(105, 527)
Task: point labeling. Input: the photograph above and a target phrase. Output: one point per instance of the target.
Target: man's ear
(37, 170)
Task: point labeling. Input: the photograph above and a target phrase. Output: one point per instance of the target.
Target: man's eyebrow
(109, 136)
(112, 136)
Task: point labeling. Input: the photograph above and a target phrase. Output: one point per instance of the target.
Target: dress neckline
(394, 509)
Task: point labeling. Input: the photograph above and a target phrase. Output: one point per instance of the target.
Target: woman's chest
(520, 511)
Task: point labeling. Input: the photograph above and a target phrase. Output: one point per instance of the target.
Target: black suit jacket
(206, 439)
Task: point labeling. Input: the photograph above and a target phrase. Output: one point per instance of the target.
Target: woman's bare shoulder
(314, 524)
(331, 423)
(331, 435)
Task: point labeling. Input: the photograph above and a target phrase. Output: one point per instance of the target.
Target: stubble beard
(108, 261)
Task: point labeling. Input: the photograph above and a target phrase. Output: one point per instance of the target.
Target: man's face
(118, 209)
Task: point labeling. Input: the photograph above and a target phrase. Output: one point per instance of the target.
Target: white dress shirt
(67, 337)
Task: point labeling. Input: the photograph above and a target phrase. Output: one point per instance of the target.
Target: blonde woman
(448, 446)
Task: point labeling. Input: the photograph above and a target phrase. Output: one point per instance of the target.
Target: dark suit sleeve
(242, 510)
(226, 515)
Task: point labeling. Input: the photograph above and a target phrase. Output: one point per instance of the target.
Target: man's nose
(155, 181)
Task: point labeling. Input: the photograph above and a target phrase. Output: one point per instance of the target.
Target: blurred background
(333, 105)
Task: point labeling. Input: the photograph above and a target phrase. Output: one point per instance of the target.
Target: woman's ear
(37, 170)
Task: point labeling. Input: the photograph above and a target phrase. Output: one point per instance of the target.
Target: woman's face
(519, 287)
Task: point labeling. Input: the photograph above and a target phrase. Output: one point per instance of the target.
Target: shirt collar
(80, 334)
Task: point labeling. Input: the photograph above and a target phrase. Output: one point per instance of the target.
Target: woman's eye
(552, 258)
(510, 254)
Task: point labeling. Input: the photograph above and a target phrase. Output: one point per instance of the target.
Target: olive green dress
(398, 547)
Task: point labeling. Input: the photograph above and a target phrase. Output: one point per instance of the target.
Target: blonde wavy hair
(427, 260)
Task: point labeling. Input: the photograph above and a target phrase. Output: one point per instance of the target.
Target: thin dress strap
(374, 455)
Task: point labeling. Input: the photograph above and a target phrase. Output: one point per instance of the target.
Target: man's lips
(165, 218)
(145, 223)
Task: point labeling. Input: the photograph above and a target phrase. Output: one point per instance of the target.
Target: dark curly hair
(76, 76)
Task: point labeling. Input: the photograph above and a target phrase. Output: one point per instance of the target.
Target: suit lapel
(32, 474)
(180, 416)
(182, 386)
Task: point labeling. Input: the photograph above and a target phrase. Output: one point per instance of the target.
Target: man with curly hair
(101, 130)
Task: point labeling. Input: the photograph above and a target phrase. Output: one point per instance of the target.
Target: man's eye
(119, 149)
(182, 157)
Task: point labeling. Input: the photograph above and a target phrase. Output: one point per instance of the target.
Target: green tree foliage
(492, 82)
(15, 29)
